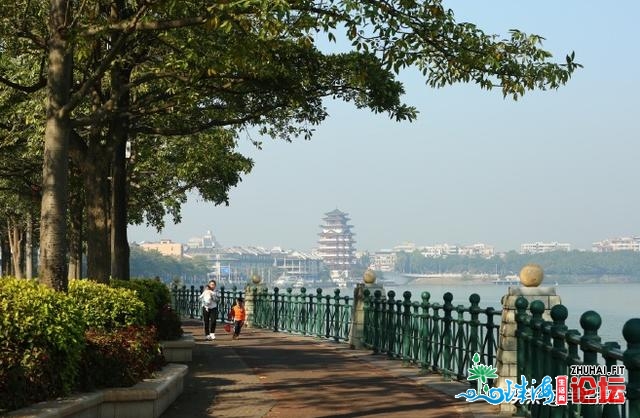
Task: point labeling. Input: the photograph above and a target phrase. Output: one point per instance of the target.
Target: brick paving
(279, 375)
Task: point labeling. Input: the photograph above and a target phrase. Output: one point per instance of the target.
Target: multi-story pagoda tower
(336, 244)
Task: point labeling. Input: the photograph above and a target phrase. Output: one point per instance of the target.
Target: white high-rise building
(617, 244)
(543, 247)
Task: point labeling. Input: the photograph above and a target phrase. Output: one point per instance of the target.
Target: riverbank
(549, 280)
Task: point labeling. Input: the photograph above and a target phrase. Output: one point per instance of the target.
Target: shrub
(119, 358)
(157, 300)
(154, 294)
(168, 324)
(105, 307)
(41, 343)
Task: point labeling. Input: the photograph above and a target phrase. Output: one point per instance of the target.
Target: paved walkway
(267, 374)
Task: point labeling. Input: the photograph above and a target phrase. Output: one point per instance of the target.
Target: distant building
(336, 244)
(164, 247)
(438, 250)
(477, 250)
(206, 241)
(407, 247)
(384, 260)
(617, 244)
(543, 247)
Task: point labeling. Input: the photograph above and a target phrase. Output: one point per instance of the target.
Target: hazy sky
(554, 166)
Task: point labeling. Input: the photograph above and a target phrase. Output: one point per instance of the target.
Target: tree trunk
(16, 238)
(120, 76)
(53, 222)
(76, 216)
(119, 241)
(5, 253)
(96, 186)
(28, 249)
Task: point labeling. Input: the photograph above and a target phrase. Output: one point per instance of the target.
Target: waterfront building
(384, 260)
(206, 241)
(617, 244)
(480, 250)
(336, 245)
(439, 250)
(543, 247)
(164, 247)
(235, 265)
(407, 247)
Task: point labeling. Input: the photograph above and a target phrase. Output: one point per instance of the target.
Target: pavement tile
(273, 375)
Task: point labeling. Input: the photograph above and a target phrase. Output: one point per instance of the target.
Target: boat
(510, 279)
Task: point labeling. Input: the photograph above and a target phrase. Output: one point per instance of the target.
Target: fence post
(336, 315)
(319, 314)
(303, 312)
(631, 333)
(446, 334)
(559, 315)
(590, 321)
(358, 334)
(390, 333)
(425, 333)
(377, 323)
(523, 333)
(275, 309)
(406, 326)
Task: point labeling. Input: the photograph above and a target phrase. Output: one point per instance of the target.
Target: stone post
(249, 302)
(356, 335)
(531, 277)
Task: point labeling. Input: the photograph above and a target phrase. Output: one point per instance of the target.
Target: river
(615, 302)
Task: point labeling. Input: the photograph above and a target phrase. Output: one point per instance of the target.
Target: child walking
(239, 316)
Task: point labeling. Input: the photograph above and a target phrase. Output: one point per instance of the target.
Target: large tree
(234, 41)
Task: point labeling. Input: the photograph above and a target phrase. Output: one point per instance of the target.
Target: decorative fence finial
(531, 275)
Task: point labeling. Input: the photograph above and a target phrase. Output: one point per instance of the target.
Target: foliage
(153, 294)
(157, 301)
(163, 71)
(106, 308)
(41, 341)
(168, 324)
(119, 358)
(151, 263)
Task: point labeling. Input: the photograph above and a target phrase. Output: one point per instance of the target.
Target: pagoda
(336, 245)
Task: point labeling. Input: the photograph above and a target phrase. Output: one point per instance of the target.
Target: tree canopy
(179, 79)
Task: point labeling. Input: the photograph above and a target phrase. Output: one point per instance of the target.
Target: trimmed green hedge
(41, 342)
(52, 343)
(157, 300)
(105, 307)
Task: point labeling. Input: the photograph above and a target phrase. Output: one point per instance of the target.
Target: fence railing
(547, 349)
(320, 315)
(444, 338)
(185, 301)
(437, 337)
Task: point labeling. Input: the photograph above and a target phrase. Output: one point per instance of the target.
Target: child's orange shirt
(239, 313)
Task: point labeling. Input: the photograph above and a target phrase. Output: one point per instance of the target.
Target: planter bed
(147, 399)
(178, 351)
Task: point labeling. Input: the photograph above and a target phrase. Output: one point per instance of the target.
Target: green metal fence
(437, 337)
(186, 303)
(320, 315)
(549, 348)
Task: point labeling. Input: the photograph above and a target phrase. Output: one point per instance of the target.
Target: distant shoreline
(549, 280)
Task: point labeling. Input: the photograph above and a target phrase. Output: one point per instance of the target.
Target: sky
(560, 165)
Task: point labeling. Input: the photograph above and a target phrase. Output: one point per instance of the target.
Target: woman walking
(209, 298)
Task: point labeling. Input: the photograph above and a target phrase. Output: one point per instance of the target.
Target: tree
(386, 37)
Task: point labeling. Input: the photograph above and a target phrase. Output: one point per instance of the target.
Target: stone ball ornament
(256, 279)
(369, 277)
(531, 275)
